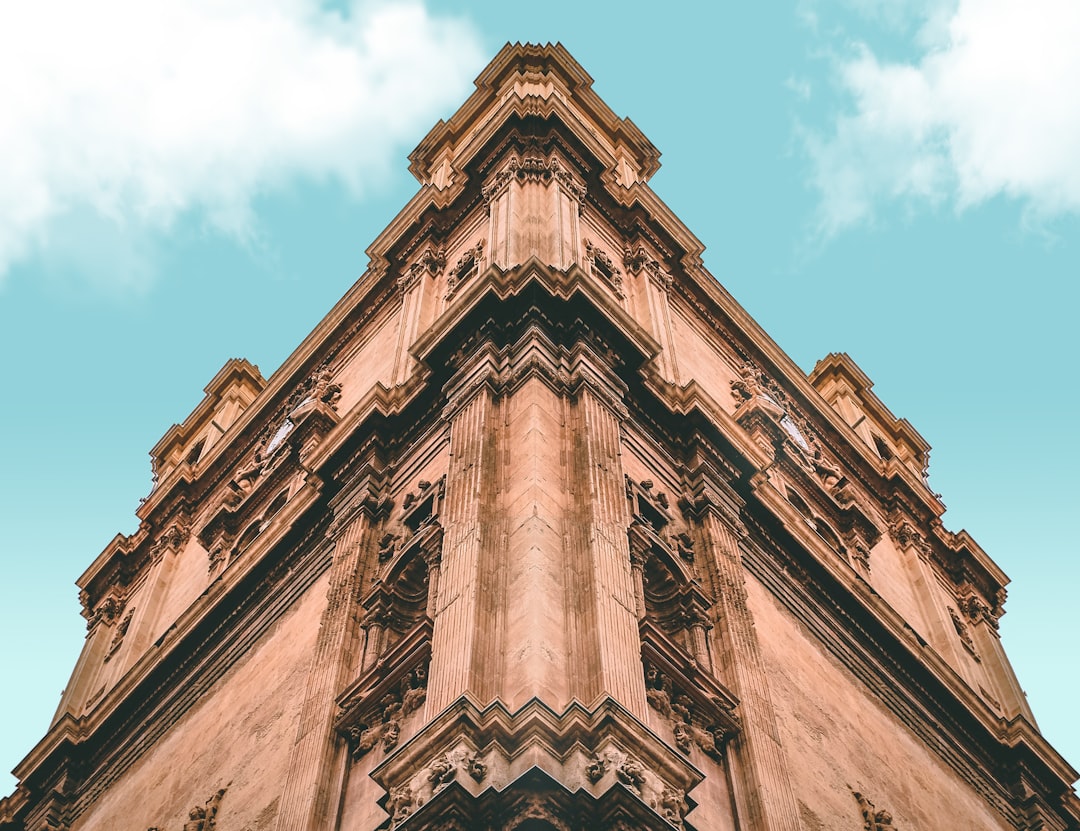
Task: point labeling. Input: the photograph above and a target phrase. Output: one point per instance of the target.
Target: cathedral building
(538, 529)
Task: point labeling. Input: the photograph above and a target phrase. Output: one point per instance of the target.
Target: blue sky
(184, 182)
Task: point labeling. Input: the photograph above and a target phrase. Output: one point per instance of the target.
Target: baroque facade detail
(538, 531)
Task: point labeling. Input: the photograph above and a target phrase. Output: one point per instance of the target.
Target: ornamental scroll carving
(637, 259)
(380, 722)
(467, 266)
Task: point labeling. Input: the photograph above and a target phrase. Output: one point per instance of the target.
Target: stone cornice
(90, 751)
(533, 80)
(874, 642)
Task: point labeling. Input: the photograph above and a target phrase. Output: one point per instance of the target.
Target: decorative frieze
(536, 167)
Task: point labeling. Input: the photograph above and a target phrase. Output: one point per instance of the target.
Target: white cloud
(141, 112)
(989, 108)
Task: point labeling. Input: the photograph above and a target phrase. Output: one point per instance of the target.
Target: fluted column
(466, 639)
(604, 572)
(318, 755)
(762, 788)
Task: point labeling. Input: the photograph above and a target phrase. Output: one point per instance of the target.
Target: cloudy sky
(184, 182)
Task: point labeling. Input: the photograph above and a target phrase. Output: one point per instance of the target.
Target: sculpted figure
(400, 802)
(196, 819)
(413, 690)
(441, 772)
(477, 769)
(682, 736)
(672, 805)
(596, 769)
(390, 734)
(631, 773)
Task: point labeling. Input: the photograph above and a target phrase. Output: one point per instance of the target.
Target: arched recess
(402, 599)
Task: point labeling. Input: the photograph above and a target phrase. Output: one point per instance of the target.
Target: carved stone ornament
(637, 259)
(964, 634)
(906, 536)
(750, 384)
(671, 805)
(173, 538)
(595, 769)
(468, 265)
(873, 819)
(107, 611)
(975, 608)
(388, 546)
(382, 723)
(601, 264)
(632, 774)
(534, 166)
(674, 705)
(121, 631)
(399, 804)
(204, 817)
(477, 768)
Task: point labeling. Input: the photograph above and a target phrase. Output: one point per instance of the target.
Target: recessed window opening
(648, 512)
(195, 452)
(420, 514)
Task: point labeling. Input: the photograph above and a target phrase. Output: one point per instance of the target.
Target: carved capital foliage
(534, 166)
(638, 259)
(469, 264)
(906, 536)
(976, 608)
(172, 539)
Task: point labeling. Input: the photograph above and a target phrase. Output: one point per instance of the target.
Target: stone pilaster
(466, 640)
(760, 782)
(318, 754)
(605, 645)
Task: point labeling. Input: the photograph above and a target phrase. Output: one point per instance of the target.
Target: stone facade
(539, 530)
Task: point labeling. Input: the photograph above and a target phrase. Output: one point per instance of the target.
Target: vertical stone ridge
(611, 626)
(466, 625)
(317, 754)
(760, 777)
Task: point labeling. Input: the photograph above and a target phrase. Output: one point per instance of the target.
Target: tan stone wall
(238, 736)
(837, 737)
